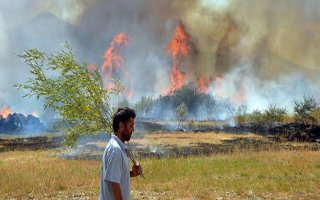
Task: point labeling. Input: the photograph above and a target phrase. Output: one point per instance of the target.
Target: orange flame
(5, 111)
(178, 48)
(112, 54)
(113, 59)
(35, 114)
(204, 84)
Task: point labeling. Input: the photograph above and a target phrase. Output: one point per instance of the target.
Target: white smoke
(258, 93)
(266, 49)
(3, 36)
(29, 24)
(69, 10)
(215, 4)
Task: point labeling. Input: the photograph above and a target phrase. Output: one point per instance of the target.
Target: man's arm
(116, 191)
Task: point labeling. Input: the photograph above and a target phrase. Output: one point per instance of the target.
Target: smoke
(30, 24)
(265, 51)
(215, 5)
(242, 86)
(3, 36)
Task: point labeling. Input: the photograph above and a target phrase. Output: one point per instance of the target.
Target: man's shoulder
(114, 146)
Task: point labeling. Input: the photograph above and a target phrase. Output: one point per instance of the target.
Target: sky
(253, 52)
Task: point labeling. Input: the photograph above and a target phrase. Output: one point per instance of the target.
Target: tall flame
(113, 59)
(112, 54)
(5, 111)
(178, 48)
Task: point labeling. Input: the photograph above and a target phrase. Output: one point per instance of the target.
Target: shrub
(144, 106)
(241, 115)
(273, 115)
(256, 118)
(182, 112)
(304, 110)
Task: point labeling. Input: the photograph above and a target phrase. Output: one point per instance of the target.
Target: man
(115, 172)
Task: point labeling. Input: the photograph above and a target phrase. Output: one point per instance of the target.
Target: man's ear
(121, 125)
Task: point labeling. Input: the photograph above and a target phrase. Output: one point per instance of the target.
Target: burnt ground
(91, 148)
(227, 146)
(30, 143)
(159, 140)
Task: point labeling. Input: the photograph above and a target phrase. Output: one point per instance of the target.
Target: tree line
(79, 96)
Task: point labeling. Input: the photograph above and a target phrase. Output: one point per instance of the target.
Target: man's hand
(136, 170)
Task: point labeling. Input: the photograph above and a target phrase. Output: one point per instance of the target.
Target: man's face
(128, 129)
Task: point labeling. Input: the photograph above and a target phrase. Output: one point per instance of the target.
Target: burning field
(226, 92)
(17, 123)
(248, 53)
(209, 58)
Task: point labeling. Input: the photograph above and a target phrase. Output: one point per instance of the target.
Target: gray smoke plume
(265, 51)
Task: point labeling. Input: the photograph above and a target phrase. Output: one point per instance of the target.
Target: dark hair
(122, 115)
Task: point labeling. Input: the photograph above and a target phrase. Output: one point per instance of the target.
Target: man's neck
(118, 135)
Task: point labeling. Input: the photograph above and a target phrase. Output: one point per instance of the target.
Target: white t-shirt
(115, 168)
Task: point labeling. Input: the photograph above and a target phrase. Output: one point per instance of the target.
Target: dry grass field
(183, 139)
(242, 174)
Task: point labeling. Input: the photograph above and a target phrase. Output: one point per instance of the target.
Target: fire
(112, 54)
(178, 48)
(113, 59)
(35, 114)
(204, 84)
(5, 111)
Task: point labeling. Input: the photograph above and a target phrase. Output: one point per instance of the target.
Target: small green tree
(241, 115)
(76, 93)
(273, 115)
(257, 118)
(304, 110)
(182, 112)
(144, 106)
